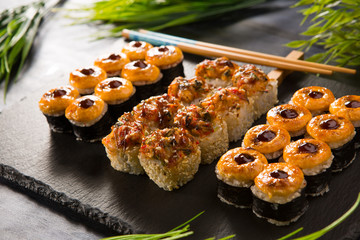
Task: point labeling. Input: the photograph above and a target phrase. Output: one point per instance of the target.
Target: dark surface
(82, 170)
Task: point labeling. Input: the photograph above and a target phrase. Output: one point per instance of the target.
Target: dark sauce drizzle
(243, 158)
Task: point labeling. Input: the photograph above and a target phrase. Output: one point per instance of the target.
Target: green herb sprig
(335, 27)
(152, 14)
(18, 28)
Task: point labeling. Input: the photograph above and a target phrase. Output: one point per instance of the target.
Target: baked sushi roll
(236, 171)
(188, 91)
(136, 50)
(146, 77)
(268, 139)
(53, 104)
(279, 194)
(314, 157)
(261, 90)
(231, 104)
(207, 128)
(122, 145)
(89, 117)
(170, 157)
(348, 107)
(170, 61)
(338, 133)
(292, 118)
(118, 93)
(85, 79)
(316, 99)
(112, 63)
(157, 112)
(218, 72)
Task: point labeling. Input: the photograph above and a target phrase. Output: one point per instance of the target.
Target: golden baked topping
(313, 98)
(307, 153)
(136, 50)
(347, 106)
(55, 101)
(220, 68)
(169, 145)
(330, 128)
(266, 138)
(84, 78)
(250, 78)
(291, 117)
(140, 71)
(240, 164)
(112, 63)
(85, 109)
(279, 179)
(112, 89)
(187, 90)
(164, 56)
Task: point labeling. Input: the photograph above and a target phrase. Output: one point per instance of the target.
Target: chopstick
(192, 46)
(251, 53)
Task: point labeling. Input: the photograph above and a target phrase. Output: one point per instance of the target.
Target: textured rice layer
(126, 160)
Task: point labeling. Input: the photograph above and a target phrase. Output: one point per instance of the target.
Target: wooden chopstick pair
(236, 54)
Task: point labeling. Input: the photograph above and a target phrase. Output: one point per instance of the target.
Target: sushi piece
(188, 91)
(89, 117)
(314, 157)
(122, 145)
(207, 128)
(170, 61)
(268, 139)
(136, 50)
(170, 157)
(349, 107)
(146, 77)
(232, 105)
(236, 171)
(112, 63)
(157, 112)
(261, 91)
(218, 72)
(118, 93)
(53, 104)
(279, 194)
(338, 133)
(315, 99)
(292, 118)
(85, 79)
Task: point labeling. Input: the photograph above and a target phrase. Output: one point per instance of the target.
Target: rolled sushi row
(292, 141)
(120, 80)
(203, 107)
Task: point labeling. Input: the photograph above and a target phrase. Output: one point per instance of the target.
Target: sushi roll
(268, 139)
(279, 194)
(207, 128)
(314, 157)
(53, 104)
(85, 79)
(292, 118)
(232, 105)
(170, 61)
(170, 157)
(235, 172)
(112, 64)
(122, 145)
(157, 112)
(316, 99)
(188, 91)
(338, 133)
(136, 50)
(89, 117)
(260, 89)
(218, 72)
(146, 77)
(348, 107)
(118, 93)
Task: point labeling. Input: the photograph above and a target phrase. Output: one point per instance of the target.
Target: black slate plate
(82, 172)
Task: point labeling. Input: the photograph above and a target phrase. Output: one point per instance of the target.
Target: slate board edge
(72, 208)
